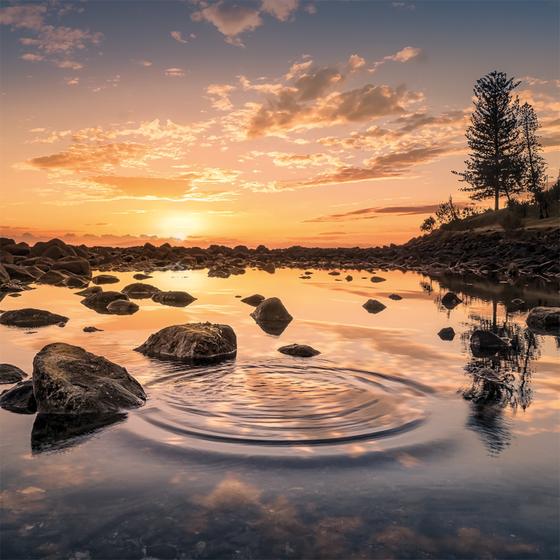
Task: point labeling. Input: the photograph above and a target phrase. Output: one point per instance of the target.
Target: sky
(276, 122)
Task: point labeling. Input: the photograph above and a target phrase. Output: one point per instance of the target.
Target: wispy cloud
(180, 38)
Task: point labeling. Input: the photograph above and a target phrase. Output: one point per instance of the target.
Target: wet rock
(105, 279)
(52, 278)
(140, 291)
(11, 374)
(75, 265)
(54, 249)
(13, 287)
(377, 279)
(15, 294)
(4, 276)
(447, 333)
(73, 281)
(395, 297)
(253, 300)
(544, 320)
(373, 306)
(141, 276)
(122, 307)
(173, 298)
(299, 350)
(272, 316)
(69, 380)
(486, 343)
(268, 267)
(91, 329)
(22, 273)
(19, 398)
(90, 291)
(218, 272)
(100, 300)
(31, 318)
(192, 342)
(451, 300)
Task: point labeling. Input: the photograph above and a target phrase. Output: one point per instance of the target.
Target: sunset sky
(280, 122)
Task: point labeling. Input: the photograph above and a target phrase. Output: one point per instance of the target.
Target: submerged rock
(105, 279)
(451, 300)
(140, 291)
(373, 306)
(11, 374)
(122, 307)
(19, 398)
(299, 350)
(447, 333)
(544, 320)
(31, 318)
(486, 343)
(253, 300)
(173, 298)
(69, 380)
(192, 342)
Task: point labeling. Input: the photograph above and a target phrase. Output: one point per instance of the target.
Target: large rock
(69, 380)
(53, 278)
(192, 342)
(75, 265)
(23, 273)
(173, 298)
(486, 343)
(11, 374)
(54, 249)
(544, 320)
(31, 318)
(105, 279)
(19, 398)
(299, 350)
(271, 310)
(140, 291)
(100, 300)
(373, 306)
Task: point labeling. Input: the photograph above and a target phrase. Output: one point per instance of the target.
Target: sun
(180, 225)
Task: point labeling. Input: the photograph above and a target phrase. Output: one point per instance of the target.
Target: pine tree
(494, 167)
(534, 177)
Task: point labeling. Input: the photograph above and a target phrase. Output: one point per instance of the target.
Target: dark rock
(105, 279)
(19, 398)
(91, 329)
(122, 307)
(54, 249)
(192, 342)
(173, 298)
(334, 273)
(99, 301)
(31, 318)
(373, 306)
(272, 316)
(141, 276)
(544, 320)
(395, 297)
(268, 267)
(447, 333)
(253, 300)
(451, 300)
(14, 287)
(73, 281)
(299, 350)
(69, 380)
(14, 294)
(75, 265)
(349, 278)
(486, 343)
(140, 291)
(90, 291)
(11, 374)
(4, 276)
(377, 279)
(22, 273)
(52, 277)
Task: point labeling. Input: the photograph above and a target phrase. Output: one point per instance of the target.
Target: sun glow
(180, 225)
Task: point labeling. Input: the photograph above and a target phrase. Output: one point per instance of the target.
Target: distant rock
(99, 301)
(544, 320)
(192, 342)
(140, 291)
(91, 329)
(395, 297)
(11, 374)
(349, 278)
(105, 279)
(253, 300)
(31, 318)
(373, 306)
(486, 343)
(173, 298)
(334, 273)
(451, 300)
(377, 279)
(142, 276)
(299, 350)
(19, 398)
(122, 307)
(69, 380)
(447, 333)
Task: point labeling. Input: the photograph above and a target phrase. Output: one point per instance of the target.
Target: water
(369, 450)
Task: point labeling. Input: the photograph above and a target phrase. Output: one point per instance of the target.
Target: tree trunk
(496, 199)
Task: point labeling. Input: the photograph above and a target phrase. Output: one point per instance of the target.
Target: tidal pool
(386, 445)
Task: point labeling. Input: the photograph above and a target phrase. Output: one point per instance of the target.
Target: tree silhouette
(495, 166)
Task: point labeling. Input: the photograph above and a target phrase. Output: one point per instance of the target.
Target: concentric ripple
(279, 404)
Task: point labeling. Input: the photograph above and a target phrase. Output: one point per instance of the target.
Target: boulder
(173, 298)
(31, 318)
(447, 333)
(122, 307)
(75, 265)
(11, 374)
(486, 343)
(23, 273)
(192, 342)
(19, 398)
(54, 249)
(105, 279)
(373, 306)
(69, 380)
(253, 300)
(140, 291)
(100, 300)
(544, 320)
(52, 277)
(299, 350)
(450, 300)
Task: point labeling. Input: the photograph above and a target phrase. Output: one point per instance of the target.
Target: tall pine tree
(494, 167)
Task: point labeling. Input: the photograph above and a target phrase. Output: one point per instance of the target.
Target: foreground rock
(271, 316)
(486, 343)
(69, 380)
(140, 291)
(192, 342)
(101, 300)
(544, 320)
(447, 333)
(299, 350)
(19, 398)
(373, 306)
(11, 374)
(253, 300)
(31, 318)
(173, 298)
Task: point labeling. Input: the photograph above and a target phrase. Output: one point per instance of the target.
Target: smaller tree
(428, 224)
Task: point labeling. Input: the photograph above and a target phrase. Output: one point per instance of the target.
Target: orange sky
(274, 122)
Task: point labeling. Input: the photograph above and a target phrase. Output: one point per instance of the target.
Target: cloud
(355, 62)
(24, 17)
(371, 213)
(174, 72)
(178, 36)
(72, 81)
(404, 6)
(142, 62)
(219, 94)
(146, 186)
(404, 55)
(280, 9)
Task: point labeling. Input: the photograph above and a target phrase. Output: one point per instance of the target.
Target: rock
(299, 350)
(268, 267)
(4, 276)
(140, 291)
(193, 342)
(395, 297)
(486, 343)
(54, 249)
(377, 279)
(447, 333)
(99, 301)
(334, 273)
(253, 300)
(52, 278)
(22, 273)
(90, 291)
(373, 306)
(75, 265)
(92, 329)
(173, 298)
(14, 294)
(218, 272)
(272, 316)
(105, 279)
(122, 307)
(69, 380)
(544, 320)
(451, 300)
(11, 374)
(141, 276)
(74, 281)
(349, 278)
(13, 287)
(19, 398)
(31, 318)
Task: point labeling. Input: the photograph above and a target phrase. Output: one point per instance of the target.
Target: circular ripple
(276, 404)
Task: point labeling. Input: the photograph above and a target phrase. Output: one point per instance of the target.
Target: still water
(369, 450)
